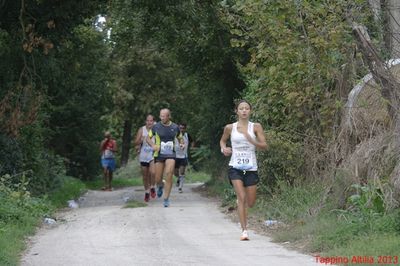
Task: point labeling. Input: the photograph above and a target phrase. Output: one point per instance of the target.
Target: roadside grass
(130, 175)
(196, 176)
(134, 204)
(123, 177)
(310, 222)
(384, 247)
(70, 189)
(130, 171)
(98, 183)
(222, 189)
(12, 238)
(349, 234)
(21, 214)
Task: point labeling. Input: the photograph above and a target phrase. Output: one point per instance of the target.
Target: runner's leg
(251, 193)
(169, 171)
(242, 202)
(176, 174)
(146, 182)
(110, 178)
(105, 177)
(181, 177)
(146, 177)
(152, 179)
(159, 170)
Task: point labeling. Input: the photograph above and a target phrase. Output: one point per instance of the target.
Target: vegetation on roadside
(308, 219)
(21, 213)
(134, 204)
(311, 221)
(129, 175)
(332, 168)
(196, 176)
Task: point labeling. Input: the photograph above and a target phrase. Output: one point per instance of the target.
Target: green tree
(296, 50)
(35, 39)
(196, 43)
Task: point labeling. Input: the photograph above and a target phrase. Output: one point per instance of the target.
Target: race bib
(146, 153)
(148, 149)
(243, 160)
(167, 148)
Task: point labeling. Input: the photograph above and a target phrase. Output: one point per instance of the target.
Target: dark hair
(183, 124)
(241, 101)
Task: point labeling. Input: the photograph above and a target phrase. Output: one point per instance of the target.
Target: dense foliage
(65, 77)
(64, 80)
(295, 50)
(53, 89)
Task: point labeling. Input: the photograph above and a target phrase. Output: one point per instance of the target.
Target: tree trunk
(379, 70)
(392, 27)
(389, 90)
(126, 142)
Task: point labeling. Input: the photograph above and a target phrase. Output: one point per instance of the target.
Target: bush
(282, 162)
(16, 201)
(292, 203)
(69, 189)
(10, 157)
(20, 213)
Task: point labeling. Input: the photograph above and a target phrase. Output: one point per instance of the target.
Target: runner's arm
(102, 145)
(138, 139)
(260, 142)
(115, 147)
(227, 151)
(150, 141)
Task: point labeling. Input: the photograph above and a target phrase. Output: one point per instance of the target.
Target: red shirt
(109, 145)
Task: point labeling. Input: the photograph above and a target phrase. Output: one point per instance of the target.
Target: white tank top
(243, 152)
(182, 153)
(146, 151)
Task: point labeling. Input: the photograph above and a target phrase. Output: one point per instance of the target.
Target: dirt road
(192, 231)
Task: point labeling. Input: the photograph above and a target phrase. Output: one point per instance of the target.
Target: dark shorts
(181, 162)
(108, 163)
(162, 159)
(145, 164)
(249, 178)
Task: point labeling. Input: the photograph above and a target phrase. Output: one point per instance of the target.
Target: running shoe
(146, 197)
(166, 203)
(153, 192)
(180, 190)
(160, 191)
(244, 236)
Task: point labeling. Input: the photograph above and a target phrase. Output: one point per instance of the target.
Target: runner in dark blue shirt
(165, 133)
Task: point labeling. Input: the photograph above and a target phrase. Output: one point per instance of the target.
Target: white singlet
(146, 151)
(243, 152)
(182, 153)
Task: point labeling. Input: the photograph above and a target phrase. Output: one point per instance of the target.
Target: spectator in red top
(108, 147)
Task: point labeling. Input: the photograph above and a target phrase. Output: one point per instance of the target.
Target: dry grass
(367, 147)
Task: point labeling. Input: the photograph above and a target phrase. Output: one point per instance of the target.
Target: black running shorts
(181, 162)
(249, 178)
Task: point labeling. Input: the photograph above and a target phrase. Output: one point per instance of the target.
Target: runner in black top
(165, 133)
